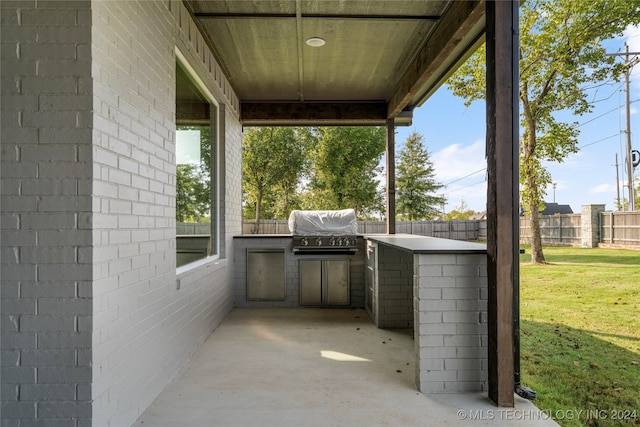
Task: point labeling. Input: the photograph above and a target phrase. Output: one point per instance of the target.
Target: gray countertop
(426, 244)
(409, 242)
(260, 236)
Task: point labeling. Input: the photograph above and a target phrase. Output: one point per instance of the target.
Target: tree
(461, 212)
(560, 53)
(415, 181)
(193, 181)
(193, 200)
(273, 159)
(345, 168)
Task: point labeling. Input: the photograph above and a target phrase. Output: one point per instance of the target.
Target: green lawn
(580, 334)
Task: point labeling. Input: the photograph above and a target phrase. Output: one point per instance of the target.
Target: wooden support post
(391, 177)
(502, 196)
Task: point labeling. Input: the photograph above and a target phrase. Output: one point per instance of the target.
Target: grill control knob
(318, 241)
(304, 241)
(332, 241)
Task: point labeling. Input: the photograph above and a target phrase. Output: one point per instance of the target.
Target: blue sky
(454, 135)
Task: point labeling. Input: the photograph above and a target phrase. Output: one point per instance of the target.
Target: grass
(580, 335)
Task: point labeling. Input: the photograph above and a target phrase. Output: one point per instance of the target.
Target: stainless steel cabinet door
(336, 281)
(324, 282)
(310, 282)
(265, 274)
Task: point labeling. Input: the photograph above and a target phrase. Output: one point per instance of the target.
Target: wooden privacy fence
(612, 229)
(555, 230)
(620, 228)
(191, 228)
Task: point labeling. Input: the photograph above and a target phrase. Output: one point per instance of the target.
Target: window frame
(215, 191)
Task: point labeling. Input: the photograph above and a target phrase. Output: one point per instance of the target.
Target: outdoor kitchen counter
(276, 279)
(427, 245)
(439, 288)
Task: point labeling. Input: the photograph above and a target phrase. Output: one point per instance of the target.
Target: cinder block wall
(450, 306)
(96, 320)
(46, 204)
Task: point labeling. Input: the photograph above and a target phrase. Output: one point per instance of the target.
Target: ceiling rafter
(260, 113)
(300, 50)
(459, 29)
(397, 17)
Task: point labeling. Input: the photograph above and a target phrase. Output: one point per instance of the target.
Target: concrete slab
(315, 367)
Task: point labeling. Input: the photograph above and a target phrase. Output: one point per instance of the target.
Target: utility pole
(629, 162)
(618, 201)
(629, 65)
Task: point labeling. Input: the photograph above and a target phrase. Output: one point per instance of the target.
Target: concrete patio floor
(315, 367)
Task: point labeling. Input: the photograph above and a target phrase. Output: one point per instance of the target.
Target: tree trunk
(529, 176)
(256, 229)
(537, 257)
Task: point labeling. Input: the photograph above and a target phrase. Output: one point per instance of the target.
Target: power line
(601, 115)
(466, 176)
(617, 89)
(600, 140)
(466, 186)
(608, 112)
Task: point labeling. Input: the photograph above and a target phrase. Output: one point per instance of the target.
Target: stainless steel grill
(324, 232)
(341, 244)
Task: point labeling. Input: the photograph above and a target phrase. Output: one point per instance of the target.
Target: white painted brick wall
(141, 307)
(46, 203)
(88, 184)
(450, 302)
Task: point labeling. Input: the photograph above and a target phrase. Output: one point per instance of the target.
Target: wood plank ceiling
(380, 59)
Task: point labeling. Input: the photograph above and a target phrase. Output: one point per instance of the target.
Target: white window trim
(184, 63)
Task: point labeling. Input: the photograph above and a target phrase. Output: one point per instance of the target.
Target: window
(196, 169)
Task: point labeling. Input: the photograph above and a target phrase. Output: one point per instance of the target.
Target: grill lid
(323, 223)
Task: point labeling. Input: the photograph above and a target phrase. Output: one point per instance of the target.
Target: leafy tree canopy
(560, 53)
(345, 168)
(461, 212)
(193, 182)
(273, 161)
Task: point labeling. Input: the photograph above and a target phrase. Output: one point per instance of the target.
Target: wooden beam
(257, 113)
(502, 195)
(324, 16)
(391, 177)
(454, 27)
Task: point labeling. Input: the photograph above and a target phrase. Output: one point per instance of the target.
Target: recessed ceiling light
(315, 41)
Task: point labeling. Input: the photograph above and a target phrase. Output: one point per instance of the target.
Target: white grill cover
(323, 223)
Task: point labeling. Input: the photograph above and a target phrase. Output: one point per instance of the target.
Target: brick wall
(96, 320)
(148, 321)
(134, 263)
(450, 303)
(46, 213)
(395, 288)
